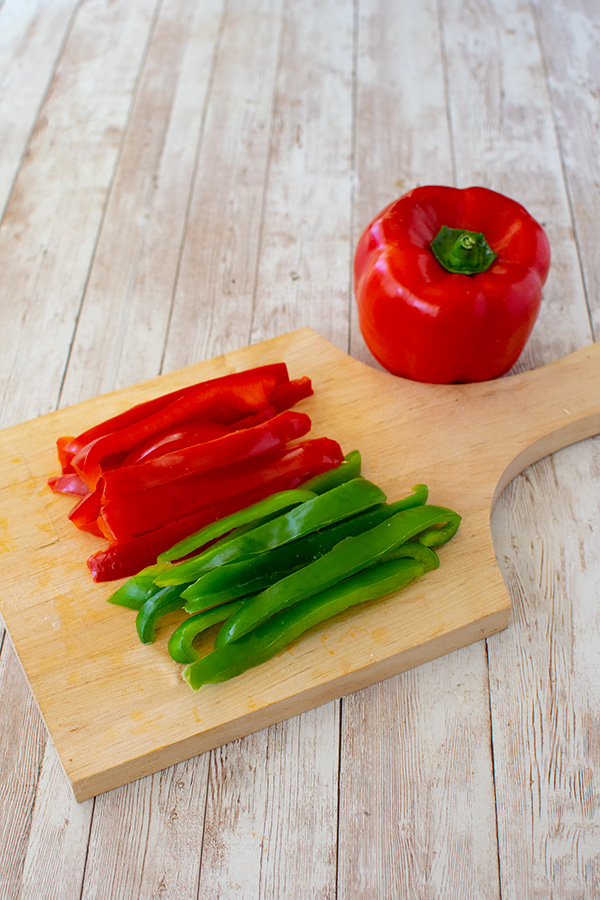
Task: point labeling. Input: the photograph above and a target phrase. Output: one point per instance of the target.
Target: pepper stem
(462, 252)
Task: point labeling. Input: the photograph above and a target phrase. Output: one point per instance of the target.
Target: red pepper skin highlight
(423, 322)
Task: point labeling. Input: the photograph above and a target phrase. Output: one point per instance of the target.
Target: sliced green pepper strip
(273, 636)
(346, 471)
(414, 550)
(256, 573)
(324, 509)
(275, 503)
(417, 498)
(181, 642)
(136, 590)
(346, 558)
(162, 602)
(318, 484)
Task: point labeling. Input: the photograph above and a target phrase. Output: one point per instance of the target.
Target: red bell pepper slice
(217, 400)
(186, 435)
(199, 458)
(169, 440)
(290, 393)
(85, 513)
(149, 509)
(68, 447)
(122, 559)
(68, 483)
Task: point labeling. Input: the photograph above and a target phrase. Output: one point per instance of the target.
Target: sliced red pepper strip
(170, 440)
(85, 513)
(122, 559)
(286, 395)
(68, 483)
(222, 400)
(154, 507)
(68, 447)
(219, 403)
(186, 435)
(234, 447)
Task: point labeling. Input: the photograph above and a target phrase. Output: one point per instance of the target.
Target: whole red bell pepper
(448, 283)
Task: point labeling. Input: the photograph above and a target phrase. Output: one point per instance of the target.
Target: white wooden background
(179, 178)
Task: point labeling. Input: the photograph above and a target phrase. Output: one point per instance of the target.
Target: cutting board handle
(546, 409)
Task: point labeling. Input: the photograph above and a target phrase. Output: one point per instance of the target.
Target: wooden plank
(496, 67)
(545, 684)
(303, 270)
(569, 33)
(32, 34)
(22, 740)
(146, 839)
(270, 818)
(213, 300)
(404, 788)
(123, 323)
(54, 862)
(423, 816)
(47, 238)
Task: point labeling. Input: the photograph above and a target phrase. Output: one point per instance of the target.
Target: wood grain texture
(122, 327)
(517, 144)
(32, 35)
(212, 307)
(47, 240)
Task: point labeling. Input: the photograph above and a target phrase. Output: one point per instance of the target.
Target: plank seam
(353, 173)
(108, 194)
(186, 220)
(563, 169)
(444, 56)
(263, 207)
(204, 817)
(493, 762)
(339, 795)
(40, 106)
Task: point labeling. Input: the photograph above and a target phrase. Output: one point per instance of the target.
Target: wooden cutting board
(118, 710)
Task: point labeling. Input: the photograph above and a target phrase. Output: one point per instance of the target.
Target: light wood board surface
(181, 179)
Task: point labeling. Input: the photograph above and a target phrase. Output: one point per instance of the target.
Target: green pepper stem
(462, 252)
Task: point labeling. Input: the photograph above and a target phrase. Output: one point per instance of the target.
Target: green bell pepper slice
(276, 503)
(349, 556)
(274, 635)
(162, 602)
(339, 503)
(254, 574)
(181, 642)
(136, 590)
